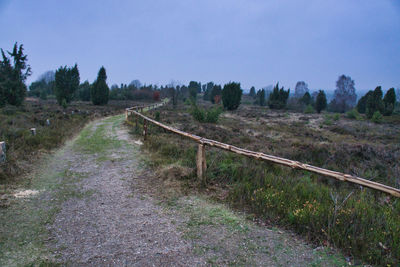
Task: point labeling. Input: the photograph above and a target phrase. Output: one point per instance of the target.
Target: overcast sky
(255, 42)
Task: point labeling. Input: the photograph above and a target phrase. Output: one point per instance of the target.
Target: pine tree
(216, 91)
(260, 97)
(374, 102)
(389, 102)
(252, 92)
(278, 98)
(362, 103)
(320, 102)
(66, 84)
(13, 75)
(306, 99)
(231, 95)
(99, 91)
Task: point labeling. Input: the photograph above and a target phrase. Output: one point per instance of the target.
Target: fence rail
(201, 159)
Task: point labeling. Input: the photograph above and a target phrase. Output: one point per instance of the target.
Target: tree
(194, 89)
(260, 97)
(13, 73)
(300, 89)
(207, 93)
(136, 84)
(278, 98)
(389, 102)
(253, 91)
(216, 91)
(306, 99)
(320, 102)
(84, 91)
(66, 83)
(362, 103)
(374, 102)
(231, 95)
(99, 90)
(345, 96)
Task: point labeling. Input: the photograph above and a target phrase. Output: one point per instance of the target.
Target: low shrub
(353, 114)
(377, 117)
(309, 109)
(202, 115)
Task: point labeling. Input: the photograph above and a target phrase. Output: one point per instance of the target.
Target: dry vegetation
(363, 223)
(24, 149)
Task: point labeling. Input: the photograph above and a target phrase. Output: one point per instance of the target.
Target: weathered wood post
(2, 151)
(126, 115)
(137, 120)
(33, 131)
(201, 163)
(145, 129)
(48, 122)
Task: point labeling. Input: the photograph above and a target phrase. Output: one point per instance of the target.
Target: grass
(364, 224)
(24, 223)
(25, 150)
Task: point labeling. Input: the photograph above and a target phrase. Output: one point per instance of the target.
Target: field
(363, 223)
(24, 149)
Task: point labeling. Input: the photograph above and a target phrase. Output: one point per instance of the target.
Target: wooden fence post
(126, 115)
(2, 152)
(201, 163)
(145, 129)
(33, 131)
(137, 119)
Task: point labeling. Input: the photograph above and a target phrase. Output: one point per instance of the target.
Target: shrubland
(24, 149)
(363, 223)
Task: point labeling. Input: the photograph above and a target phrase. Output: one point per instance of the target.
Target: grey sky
(255, 42)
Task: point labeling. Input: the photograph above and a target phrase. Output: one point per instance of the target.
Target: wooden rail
(201, 161)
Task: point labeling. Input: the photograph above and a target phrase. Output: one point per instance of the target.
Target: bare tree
(345, 96)
(300, 89)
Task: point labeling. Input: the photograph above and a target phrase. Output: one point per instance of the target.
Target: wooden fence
(201, 157)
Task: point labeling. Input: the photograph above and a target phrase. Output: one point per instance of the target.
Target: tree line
(64, 84)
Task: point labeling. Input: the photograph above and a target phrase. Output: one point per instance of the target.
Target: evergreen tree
(216, 90)
(84, 91)
(253, 91)
(389, 102)
(320, 102)
(66, 84)
(260, 97)
(306, 99)
(207, 93)
(13, 75)
(231, 95)
(278, 98)
(374, 102)
(362, 103)
(99, 92)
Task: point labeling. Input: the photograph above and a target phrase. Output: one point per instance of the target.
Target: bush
(202, 115)
(309, 109)
(231, 95)
(377, 117)
(353, 114)
(157, 116)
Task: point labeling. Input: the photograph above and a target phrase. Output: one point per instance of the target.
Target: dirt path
(92, 208)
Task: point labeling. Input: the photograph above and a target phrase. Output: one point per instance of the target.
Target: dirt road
(88, 205)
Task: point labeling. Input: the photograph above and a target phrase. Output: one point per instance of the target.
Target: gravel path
(114, 221)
